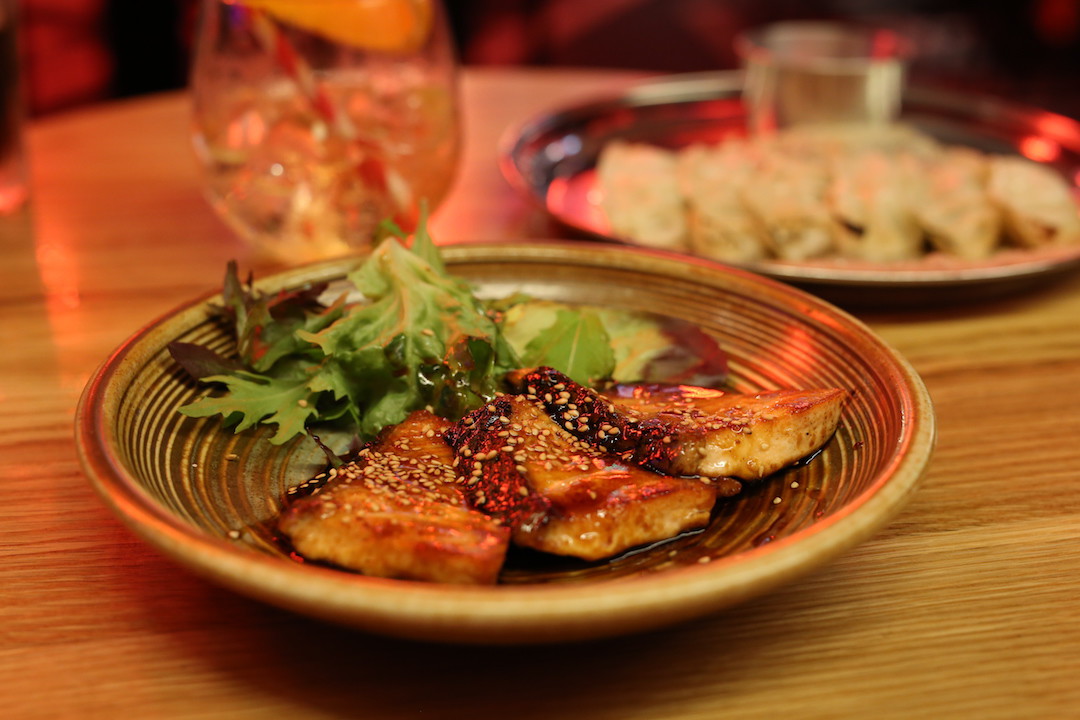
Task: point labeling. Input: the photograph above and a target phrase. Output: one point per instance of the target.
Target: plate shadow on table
(963, 303)
(300, 662)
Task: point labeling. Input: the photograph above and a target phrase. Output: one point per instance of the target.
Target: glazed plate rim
(503, 614)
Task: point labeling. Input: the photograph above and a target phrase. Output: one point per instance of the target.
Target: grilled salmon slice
(685, 430)
(567, 497)
(398, 511)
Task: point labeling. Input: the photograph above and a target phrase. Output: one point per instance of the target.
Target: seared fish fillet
(693, 431)
(397, 511)
(564, 496)
(690, 432)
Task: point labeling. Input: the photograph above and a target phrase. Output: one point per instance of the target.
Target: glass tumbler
(820, 72)
(315, 120)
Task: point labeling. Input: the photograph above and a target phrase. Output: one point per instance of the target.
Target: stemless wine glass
(315, 120)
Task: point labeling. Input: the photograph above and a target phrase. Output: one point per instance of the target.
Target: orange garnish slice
(397, 26)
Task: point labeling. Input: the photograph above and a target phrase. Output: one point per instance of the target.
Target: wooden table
(968, 605)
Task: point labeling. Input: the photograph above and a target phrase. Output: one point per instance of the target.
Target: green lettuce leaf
(418, 339)
(576, 343)
(627, 346)
(252, 398)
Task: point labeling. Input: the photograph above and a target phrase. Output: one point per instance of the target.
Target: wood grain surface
(965, 607)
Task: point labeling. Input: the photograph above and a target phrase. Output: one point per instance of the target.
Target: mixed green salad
(419, 337)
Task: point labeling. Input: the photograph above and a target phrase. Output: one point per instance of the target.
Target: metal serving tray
(551, 159)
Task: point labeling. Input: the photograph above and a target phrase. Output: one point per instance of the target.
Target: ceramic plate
(205, 497)
(551, 159)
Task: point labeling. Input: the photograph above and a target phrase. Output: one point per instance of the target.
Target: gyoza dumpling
(787, 194)
(871, 193)
(1036, 203)
(640, 194)
(719, 223)
(954, 207)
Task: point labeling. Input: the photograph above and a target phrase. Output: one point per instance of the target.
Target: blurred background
(82, 51)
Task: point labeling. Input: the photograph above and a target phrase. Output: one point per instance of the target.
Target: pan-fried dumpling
(720, 225)
(1036, 203)
(640, 194)
(954, 207)
(871, 194)
(788, 195)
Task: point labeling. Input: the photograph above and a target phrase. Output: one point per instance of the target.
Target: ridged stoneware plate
(551, 159)
(206, 497)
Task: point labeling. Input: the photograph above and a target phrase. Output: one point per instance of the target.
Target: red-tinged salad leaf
(266, 324)
(692, 357)
(200, 362)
